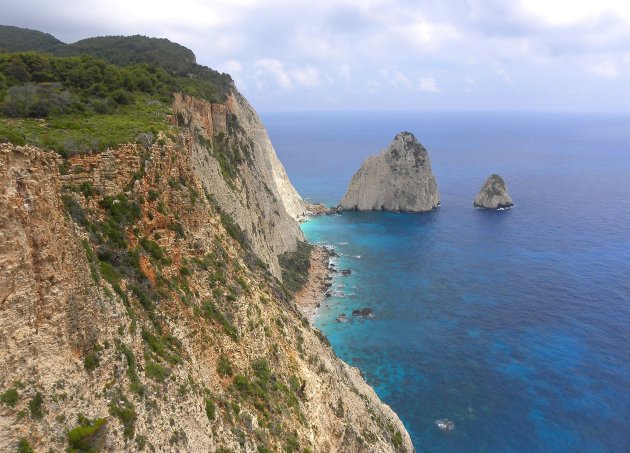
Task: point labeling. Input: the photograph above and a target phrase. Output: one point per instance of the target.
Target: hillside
(142, 301)
(15, 39)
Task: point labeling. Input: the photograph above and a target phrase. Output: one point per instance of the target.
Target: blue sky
(520, 55)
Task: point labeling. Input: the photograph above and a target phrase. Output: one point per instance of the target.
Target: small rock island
(398, 179)
(493, 194)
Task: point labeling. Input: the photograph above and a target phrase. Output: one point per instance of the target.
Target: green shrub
(87, 436)
(210, 311)
(153, 248)
(156, 371)
(35, 406)
(126, 413)
(261, 369)
(132, 369)
(224, 367)
(91, 361)
(24, 446)
(210, 409)
(10, 397)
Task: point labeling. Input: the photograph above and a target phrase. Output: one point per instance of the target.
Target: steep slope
(234, 159)
(135, 315)
(398, 179)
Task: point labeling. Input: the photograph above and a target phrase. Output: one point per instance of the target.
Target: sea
(514, 324)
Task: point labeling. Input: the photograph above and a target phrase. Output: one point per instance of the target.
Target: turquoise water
(513, 324)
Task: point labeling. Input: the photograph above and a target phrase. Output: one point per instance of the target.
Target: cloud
(270, 67)
(606, 70)
(428, 84)
(398, 79)
(289, 53)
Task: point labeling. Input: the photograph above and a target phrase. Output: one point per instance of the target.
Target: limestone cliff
(493, 194)
(136, 313)
(235, 161)
(398, 179)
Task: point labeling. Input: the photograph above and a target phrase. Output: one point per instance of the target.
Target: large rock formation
(398, 179)
(493, 194)
(135, 315)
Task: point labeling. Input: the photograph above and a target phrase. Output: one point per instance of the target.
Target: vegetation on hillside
(15, 39)
(96, 93)
(295, 266)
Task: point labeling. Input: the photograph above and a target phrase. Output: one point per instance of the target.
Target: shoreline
(310, 298)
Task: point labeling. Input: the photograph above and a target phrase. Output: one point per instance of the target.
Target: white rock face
(259, 196)
(493, 194)
(398, 179)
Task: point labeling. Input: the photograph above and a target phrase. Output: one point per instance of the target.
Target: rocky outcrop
(493, 194)
(235, 161)
(130, 303)
(398, 179)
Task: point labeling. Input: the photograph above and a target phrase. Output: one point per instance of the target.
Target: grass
(80, 133)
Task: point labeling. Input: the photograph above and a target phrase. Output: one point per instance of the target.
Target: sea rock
(398, 179)
(364, 312)
(341, 318)
(346, 272)
(493, 194)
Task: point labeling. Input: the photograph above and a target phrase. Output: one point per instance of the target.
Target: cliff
(233, 157)
(493, 194)
(140, 306)
(398, 179)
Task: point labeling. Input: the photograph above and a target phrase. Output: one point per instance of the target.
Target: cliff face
(493, 194)
(135, 313)
(235, 161)
(398, 179)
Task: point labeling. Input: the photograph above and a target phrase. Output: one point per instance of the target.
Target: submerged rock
(398, 179)
(493, 194)
(364, 312)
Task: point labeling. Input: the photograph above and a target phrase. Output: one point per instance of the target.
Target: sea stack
(398, 179)
(493, 194)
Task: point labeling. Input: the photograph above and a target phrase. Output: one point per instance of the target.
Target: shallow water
(514, 324)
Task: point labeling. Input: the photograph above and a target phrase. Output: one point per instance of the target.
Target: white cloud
(307, 77)
(566, 12)
(606, 70)
(274, 68)
(428, 84)
(399, 80)
(232, 67)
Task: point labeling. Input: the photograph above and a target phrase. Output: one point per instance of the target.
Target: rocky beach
(313, 294)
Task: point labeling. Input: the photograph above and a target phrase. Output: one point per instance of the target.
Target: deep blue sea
(513, 324)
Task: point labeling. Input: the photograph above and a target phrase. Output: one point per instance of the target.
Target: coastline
(310, 298)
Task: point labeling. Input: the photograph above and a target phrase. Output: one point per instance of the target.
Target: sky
(385, 55)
